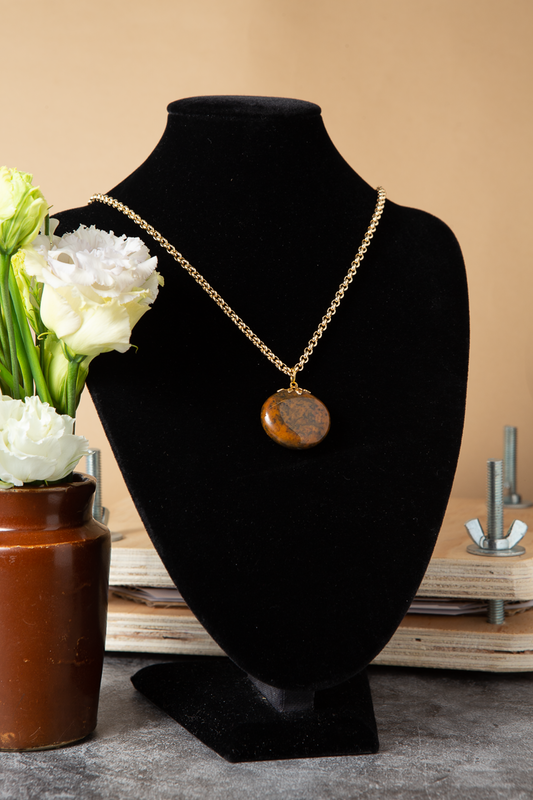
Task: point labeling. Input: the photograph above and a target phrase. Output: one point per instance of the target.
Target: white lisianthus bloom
(36, 443)
(96, 287)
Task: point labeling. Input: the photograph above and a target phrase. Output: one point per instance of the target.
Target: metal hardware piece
(496, 547)
(495, 543)
(93, 466)
(495, 612)
(511, 496)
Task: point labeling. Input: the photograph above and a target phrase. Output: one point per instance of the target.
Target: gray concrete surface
(443, 735)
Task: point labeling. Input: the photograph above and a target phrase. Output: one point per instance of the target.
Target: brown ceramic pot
(54, 568)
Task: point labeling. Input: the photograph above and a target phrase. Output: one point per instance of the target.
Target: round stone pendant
(295, 418)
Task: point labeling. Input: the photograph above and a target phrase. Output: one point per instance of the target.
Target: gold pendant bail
(293, 386)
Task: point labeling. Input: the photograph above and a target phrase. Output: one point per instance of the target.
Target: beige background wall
(431, 98)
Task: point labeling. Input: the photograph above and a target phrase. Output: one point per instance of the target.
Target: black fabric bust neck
(300, 564)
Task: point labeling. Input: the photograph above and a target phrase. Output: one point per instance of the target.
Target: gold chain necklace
(292, 417)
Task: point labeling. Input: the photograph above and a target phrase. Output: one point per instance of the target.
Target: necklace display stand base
(219, 704)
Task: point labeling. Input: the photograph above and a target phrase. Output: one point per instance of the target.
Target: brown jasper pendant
(295, 418)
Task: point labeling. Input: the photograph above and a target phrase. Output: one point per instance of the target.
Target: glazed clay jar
(54, 567)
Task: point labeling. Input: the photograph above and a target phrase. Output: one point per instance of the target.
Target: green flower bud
(56, 371)
(30, 290)
(22, 210)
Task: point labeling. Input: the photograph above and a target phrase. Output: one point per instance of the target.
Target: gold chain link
(214, 295)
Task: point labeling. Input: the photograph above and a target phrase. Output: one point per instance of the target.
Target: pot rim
(80, 478)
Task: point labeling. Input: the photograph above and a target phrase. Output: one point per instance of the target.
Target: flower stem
(5, 300)
(24, 364)
(7, 378)
(28, 350)
(4, 343)
(72, 380)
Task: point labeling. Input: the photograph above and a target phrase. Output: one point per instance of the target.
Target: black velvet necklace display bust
(300, 564)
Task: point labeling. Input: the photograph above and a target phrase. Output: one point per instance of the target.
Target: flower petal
(58, 314)
(36, 443)
(105, 327)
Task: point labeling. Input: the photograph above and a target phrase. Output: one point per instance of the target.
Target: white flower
(96, 287)
(36, 443)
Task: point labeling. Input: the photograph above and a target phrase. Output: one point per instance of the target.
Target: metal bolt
(494, 499)
(496, 609)
(93, 465)
(512, 498)
(509, 458)
(495, 543)
(495, 612)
